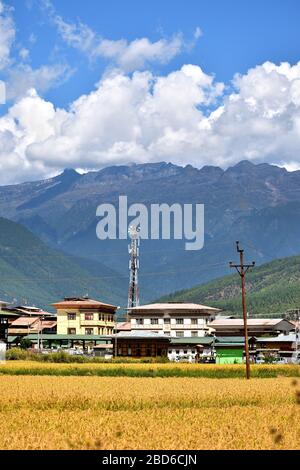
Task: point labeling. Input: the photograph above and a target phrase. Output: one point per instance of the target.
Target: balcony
(96, 323)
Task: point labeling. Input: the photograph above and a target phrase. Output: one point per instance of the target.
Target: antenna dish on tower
(134, 232)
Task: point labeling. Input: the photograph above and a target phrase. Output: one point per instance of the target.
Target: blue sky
(237, 34)
(95, 83)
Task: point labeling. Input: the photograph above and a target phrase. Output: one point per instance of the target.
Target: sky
(93, 83)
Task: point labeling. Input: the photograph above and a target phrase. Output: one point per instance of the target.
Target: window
(139, 321)
(185, 352)
(179, 321)
(194, 334)
(194, 321)
(89, 331)
(71, 316)
(167, 321)
(177, 352)
(167, 333)
(193, 351)
(88, 316)
(71, 331)
(179, 334)
(154, 321)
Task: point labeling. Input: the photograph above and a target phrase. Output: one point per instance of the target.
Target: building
(173, 319)
(191, 349)
(138, 344)
(27, 311)
(257, 327)
(122, 326)
(7, 316)
(231, 349)
(24, 326)
(284, 346)
(81, 342)
(84, 316)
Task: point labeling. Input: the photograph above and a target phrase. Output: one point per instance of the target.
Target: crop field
(71, 412)
(146, 370)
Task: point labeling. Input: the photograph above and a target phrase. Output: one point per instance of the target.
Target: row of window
(167, 321)
(180, 334)
(91, 317)
(185, 352)
(90, 331)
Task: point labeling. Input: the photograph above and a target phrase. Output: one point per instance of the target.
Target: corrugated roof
(205, 340)
(48, 324)
(12, 339)
(125, 326)
(8, 314)
(230, 340)
(251, 322)
(55, 337)
(140, 334)
(24, 321)
(278, 339)
(175, 306)
(83, 303)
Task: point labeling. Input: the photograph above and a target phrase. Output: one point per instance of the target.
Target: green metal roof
(69, 337)
(194, 340)
(12, 339)
(6, 314)
(230, 339)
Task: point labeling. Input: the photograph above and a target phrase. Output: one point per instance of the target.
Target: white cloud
(7, 34)
(198, 33)
(19, 76)
(24, 53)
(23, 77)
(184, 117)
(128, 56)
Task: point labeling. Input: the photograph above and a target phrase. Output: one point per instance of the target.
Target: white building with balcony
(177, 320)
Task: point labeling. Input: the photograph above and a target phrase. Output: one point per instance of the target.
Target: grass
(142, 413)
(146, 370)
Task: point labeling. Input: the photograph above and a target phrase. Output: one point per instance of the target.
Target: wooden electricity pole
(242, 270)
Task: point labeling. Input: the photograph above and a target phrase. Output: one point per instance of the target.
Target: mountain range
(256, 204)
(35, 274)
(272, 289)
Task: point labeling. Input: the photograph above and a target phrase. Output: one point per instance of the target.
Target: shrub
(16, 354)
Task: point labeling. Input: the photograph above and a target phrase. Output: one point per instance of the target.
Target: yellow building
(83, 316)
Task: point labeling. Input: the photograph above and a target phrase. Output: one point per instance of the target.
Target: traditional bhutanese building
(257, 327)
(83, 316)
(178, 320)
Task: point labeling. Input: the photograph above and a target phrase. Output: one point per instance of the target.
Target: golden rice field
(45, 412)
(146, 370)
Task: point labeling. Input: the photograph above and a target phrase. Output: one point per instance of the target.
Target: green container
(230, 356)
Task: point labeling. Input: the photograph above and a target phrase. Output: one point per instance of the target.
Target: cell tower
(134, 265)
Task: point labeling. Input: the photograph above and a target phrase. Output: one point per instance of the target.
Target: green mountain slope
(271, 288)
(32, 272)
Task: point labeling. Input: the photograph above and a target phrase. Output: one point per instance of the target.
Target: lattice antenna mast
(134, 265)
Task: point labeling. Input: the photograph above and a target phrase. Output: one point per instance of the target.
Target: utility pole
(242, 270)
